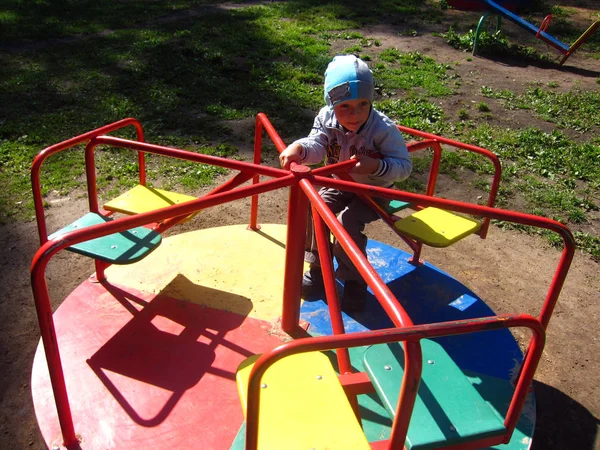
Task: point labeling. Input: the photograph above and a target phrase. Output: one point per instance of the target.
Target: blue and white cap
(347, 78)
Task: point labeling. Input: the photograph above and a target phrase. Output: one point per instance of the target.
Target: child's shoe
(355, 295)
(312, 283)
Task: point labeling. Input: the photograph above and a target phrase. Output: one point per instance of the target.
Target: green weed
(491, 43)
(483, 107)
(415, 113)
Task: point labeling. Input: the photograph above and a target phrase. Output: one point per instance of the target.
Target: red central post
(294, 252)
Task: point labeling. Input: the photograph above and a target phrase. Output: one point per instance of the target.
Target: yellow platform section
(220, 267)
(302, 397)
(436, 227)
(142, 199)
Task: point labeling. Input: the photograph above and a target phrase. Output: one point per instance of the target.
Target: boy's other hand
(365, 165)
(289, 155)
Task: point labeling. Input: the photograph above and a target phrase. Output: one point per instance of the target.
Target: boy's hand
(365, 165)
(289, 155)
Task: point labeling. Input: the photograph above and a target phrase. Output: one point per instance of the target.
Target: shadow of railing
(168, 344)
(562, 423)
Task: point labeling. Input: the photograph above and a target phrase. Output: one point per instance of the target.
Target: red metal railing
(301, 181)
(436, 142)
(262, 124)
(50, 248)
(83, 138)
(411, 334)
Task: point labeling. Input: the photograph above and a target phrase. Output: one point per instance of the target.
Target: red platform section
(147, 371)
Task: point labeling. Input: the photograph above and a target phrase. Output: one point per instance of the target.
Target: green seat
(125, 247)
(396, 205)
(448, 409)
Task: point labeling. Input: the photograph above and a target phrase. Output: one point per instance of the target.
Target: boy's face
(352, 114)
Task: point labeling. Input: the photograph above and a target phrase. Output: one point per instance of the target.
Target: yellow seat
(303, 406)
(142, 199)
(436, 227)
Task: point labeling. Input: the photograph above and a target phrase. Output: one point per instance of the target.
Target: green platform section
(239, 443)
(119, 248)
(448, 409)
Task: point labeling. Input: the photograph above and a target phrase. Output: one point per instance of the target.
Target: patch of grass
(348, 35)
(577, 110)
(421, 164)
(167, 76)
(588, 243)
(491, 43)
(415, 113)
(483, 107)
(450, 164)
(553, 174)
(353, 50)
(583, 241)
(408, 32)
(24, 20)
(412, 185)
(556, 200)
(443, 4)
(411, 72)
(560, 11)
(549, 155)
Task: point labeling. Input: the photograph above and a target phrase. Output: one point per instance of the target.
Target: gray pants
(353, 214)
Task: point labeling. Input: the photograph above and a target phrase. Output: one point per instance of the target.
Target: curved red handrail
(409, 335)
(302, 182)
(48, 151)
(436, 142)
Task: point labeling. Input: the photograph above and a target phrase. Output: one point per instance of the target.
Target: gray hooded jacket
(378, 137)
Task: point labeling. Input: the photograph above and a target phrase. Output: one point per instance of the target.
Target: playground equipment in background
(540, 33)
(146, 366)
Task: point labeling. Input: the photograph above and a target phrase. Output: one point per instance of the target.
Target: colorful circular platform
(150, 355)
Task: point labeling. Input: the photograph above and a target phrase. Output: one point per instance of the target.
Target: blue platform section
(430, 295)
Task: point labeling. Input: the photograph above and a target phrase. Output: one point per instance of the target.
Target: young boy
(349, 127)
